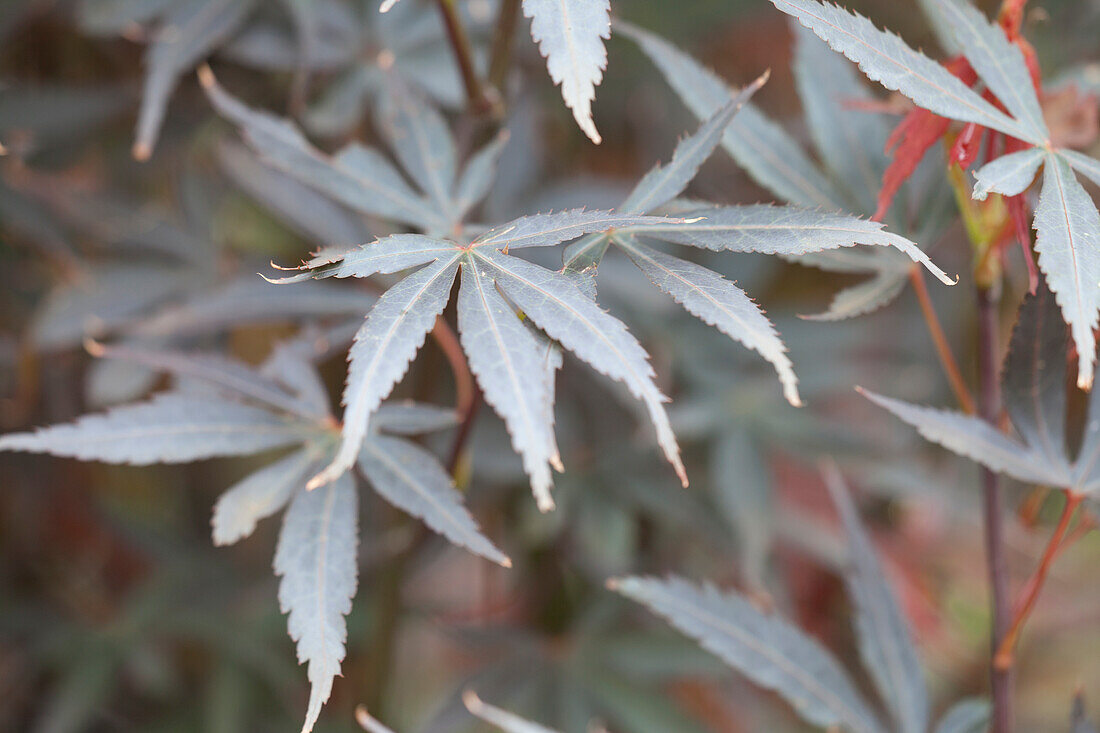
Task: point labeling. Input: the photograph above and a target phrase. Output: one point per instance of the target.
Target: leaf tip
(613, 584)
(94, 348)
(206, 77)
(141, 151)
(472, 702)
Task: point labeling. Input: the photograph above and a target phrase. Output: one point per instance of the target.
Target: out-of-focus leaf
(411, 418)
(761, 147)
(502, 719)
(968, 716)
(765, 649)
(884, 640)
(546, 230)
(108, 17)
(357, 176)
(477, 176)
(317, 558)
(171, 428)
(257, 496)
(1078, 719)
(187, 33)
(570, 34)
(411, 479)
(742, 484)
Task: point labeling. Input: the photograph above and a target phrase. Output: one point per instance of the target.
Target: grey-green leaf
(394, 331)
(782, 230)
(1083, 164)
(717, 302)
(545, 230)
(477, 176)
(761, 147)
(419, 136)
(411, 479)
(885, 644)
(509, 366)
(766, 649)
(1008, 175)
(502, 719)
(556, 306)
(570, 35)
(851, 142)
(885, 58)
(383, 256)
(999, 63)
(975, 439)
(317, 558)
(356, 177)
(1068, 244)
(412, 418)
(170, 428)
(187, 33)
(664, 183)
(967, 716)
(258, 495)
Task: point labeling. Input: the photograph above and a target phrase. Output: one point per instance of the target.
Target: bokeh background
(116, 611)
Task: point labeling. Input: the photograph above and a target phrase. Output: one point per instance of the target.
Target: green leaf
(317, 558)
(766, 649)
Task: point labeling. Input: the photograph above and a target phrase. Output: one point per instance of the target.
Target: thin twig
(1003, 659)
(943, 348)
(464, 56)
(504, 40)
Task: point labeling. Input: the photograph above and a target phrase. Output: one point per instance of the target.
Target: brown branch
(464, 56)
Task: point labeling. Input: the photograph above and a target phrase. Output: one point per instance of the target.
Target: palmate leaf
(317, 558)
(1068, 244)
(759, 145)
(504, 354)
(259, 495)
(717, 302)
(1033, 385)
(885, 58)
(170, 428)
(884, 642)
(394, 331)
(411, 479)
(513, 368)
(570, 34)
(766, 649)
(357, 176)
(502, 719)
(1066, 219)
(187, 33)
(786, 231)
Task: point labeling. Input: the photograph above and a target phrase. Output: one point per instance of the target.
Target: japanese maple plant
(392, 170)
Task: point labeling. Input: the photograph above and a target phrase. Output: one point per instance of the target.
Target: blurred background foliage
(117, 613)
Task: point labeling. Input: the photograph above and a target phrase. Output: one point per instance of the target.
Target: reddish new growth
(921, 129)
